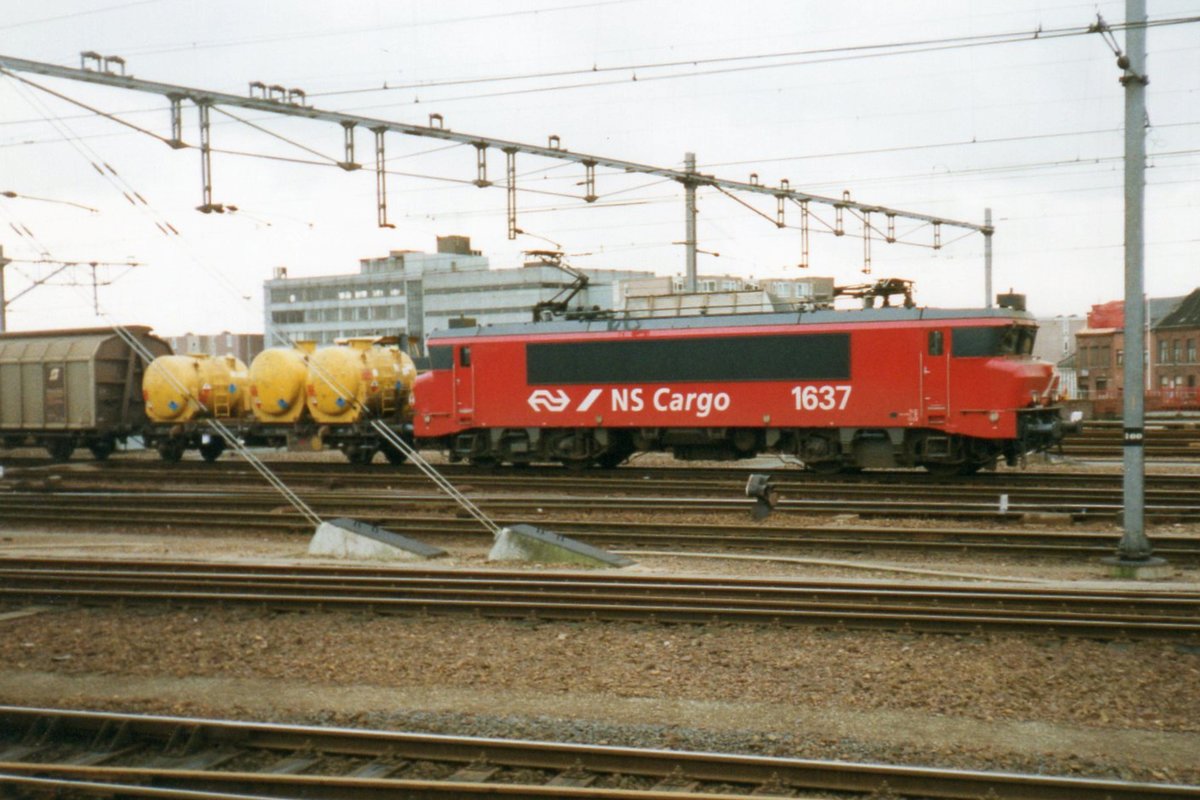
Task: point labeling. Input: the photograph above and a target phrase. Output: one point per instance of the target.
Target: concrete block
(349, 538)
(527, 543)
(1149, 569)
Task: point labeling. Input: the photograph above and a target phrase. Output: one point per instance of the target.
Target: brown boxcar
(73, 388)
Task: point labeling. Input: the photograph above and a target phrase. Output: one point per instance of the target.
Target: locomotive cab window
(936, 343)
(464, 357)
(440, 357)
(1011, 340)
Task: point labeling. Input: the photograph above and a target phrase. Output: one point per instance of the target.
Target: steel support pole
(987, 258)
(205, 160)
(689, 215)
(1134, 545)
(4, 262)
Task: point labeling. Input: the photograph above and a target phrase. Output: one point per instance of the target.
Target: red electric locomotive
(949, 390)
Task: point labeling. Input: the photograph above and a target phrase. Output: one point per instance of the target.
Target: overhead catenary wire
(230, 438)
(848, 54)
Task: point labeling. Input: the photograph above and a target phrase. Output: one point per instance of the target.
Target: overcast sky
(1031, 129)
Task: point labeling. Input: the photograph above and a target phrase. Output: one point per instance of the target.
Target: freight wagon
(73, 388)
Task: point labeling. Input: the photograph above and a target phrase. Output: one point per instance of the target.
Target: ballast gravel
(628, 684)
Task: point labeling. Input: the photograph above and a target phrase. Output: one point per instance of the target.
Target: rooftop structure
(409, 294)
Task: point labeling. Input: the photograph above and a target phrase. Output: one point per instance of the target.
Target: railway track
(1168, 498)
(1165, 440)
(1181, 549)
(952, 608)
(72, 502)
(84, 753)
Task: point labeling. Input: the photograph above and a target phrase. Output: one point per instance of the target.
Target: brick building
(1175, 338)
(1171, 360)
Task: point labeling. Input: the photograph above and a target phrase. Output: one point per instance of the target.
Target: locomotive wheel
(485, 462)
(61, 449)
(576, 464)
(824, 467)
(613, 457)
(611, 460)
(212, 449)
(102, 449)
(942, 470)
(171, 451)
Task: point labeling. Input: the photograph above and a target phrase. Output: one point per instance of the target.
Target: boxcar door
(464, 383)
(935, 377)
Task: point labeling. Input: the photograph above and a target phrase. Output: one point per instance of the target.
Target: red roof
(1107, 315)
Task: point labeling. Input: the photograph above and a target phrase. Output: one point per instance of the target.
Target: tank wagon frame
(953, 391)
(72, 388)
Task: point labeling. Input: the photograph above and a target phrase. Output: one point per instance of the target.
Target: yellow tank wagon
(357, 381)
(277, 377)
(180, 389)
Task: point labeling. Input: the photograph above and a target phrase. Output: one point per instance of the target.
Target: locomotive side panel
(864, 377)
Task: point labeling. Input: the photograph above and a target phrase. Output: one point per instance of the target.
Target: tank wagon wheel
(60, 449)
(360, 454)
(393, 454)
(823, 467)
(211, 450)
(171, 451)
(102, 449)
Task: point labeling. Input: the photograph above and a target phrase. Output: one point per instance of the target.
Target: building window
(1191, 351)
(1178, 351)
(1105, 357)
(1120, 358)
(1162, 351)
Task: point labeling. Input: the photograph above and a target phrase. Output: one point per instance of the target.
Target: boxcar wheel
(61, 449)
(102, 449)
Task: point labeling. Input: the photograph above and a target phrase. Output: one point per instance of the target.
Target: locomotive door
(464, 384)
(935, 378)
